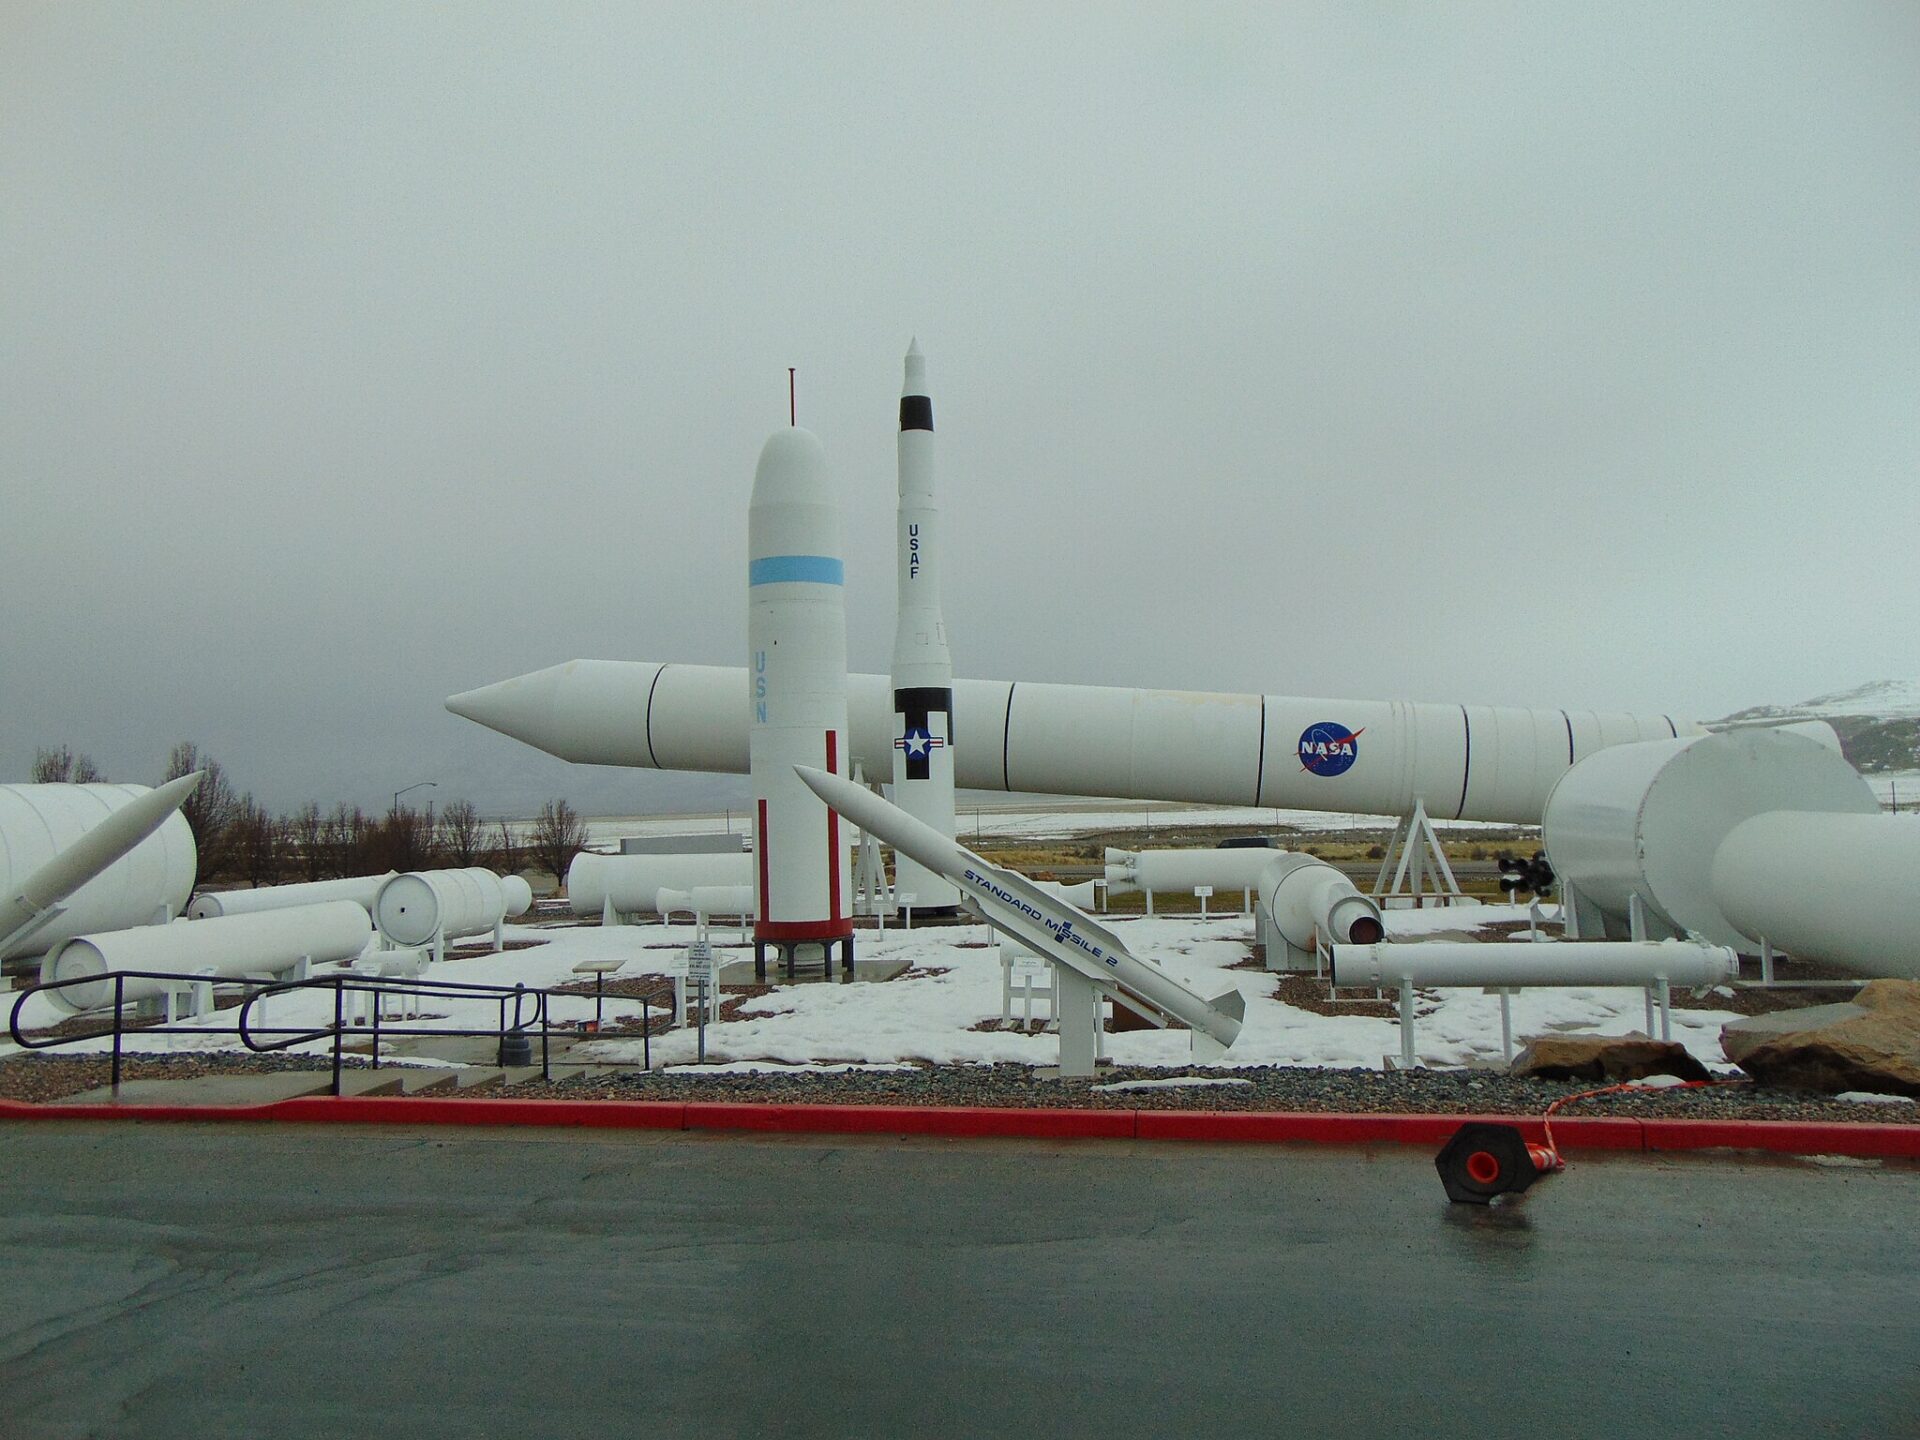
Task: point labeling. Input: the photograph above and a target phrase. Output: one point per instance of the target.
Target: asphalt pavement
(254, 1280)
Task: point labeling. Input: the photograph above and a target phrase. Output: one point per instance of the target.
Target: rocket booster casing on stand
(922, 664)
(797, 694)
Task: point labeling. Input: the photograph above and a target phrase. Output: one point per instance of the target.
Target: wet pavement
(246, 1280)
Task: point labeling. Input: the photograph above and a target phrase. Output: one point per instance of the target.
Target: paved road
(247, 1281)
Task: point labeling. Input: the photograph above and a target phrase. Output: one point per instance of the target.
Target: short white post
(1766, 962)
(1665, 992)
(1406, 1025)
(906, 909)
(1203, 893)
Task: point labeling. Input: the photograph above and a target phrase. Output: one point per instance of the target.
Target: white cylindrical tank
(1472, 762)
(1440, 963)
(413, 908)
(361, 889)
(1168, 872)
(705, 900)
(231, 946)
(1840, 888)
(633, 882)
(1646, 820)
(1308, 900)
(148, 885)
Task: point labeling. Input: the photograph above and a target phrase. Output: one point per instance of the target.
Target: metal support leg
(1506, 1026)
(1649, 1009)
(1077, 1002)
(1664, 992)
(1766, 962)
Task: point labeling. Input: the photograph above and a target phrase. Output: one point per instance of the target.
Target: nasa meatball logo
(1329, 748)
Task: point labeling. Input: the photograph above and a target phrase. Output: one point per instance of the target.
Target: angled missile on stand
(1046, 924)
(38, 900)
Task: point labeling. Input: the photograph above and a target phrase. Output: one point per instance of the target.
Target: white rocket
(922, 664)
(797, 705)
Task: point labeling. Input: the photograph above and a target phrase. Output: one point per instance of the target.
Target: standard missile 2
(1046, 924)
(40, 894)
(797, 702)
(923, 757)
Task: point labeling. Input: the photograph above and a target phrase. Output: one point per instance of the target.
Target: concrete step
(259, 1089)
(428, 1082)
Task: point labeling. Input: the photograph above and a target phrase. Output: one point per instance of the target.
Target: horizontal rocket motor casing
(1471, 762)
(226, 947)
(631, 883)
(796, 692)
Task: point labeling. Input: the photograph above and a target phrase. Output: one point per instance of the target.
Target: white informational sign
(699, 961)
(1023, 961)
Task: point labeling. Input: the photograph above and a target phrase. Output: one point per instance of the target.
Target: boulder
(1605, 1057)
(1872, 1044)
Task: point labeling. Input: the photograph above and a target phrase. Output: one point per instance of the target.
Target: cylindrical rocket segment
(797, 695)
(1358, 757)
(923, 733)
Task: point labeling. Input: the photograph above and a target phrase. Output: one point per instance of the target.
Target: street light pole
(418, 785)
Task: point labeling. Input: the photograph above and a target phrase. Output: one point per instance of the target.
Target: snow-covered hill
(1877, 699)
(1878, 723)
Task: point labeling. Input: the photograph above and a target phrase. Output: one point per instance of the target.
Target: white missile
(922, 665)
(1016, 906)
(797, 702)
(38, 899)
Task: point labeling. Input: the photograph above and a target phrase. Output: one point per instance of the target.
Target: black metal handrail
(513, 1001)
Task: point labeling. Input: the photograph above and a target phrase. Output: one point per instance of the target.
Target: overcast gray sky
(355, 355)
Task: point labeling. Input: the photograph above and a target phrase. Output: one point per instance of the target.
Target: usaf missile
(922, 666)
(1015, 906)
(38, 899)
(797, 704)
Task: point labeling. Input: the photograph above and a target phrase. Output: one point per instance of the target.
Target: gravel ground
(1271, 1088)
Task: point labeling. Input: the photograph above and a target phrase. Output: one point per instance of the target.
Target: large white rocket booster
(922, 665)
(1363, 757)
(796, 701)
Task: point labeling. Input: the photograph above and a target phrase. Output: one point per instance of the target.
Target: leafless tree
(254, 839)
(63, 767)
(507, 854)
(305, 835)
(404, 841)
(346, 839)
(558, 835)
(210, 809)
(461, 834)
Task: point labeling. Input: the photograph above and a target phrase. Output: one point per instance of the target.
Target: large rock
(1605, 1057)
(1872, 1044)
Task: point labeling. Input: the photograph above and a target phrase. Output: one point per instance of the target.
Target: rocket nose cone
(793, 466)
(515, 707)
(916, 377)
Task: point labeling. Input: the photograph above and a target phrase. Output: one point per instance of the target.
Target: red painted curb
(1784, 1137)
(1308, 1127)
(1259, 1127)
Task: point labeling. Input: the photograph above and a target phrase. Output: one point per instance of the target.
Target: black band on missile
(918, 704)
(922, 699)
(916, 412)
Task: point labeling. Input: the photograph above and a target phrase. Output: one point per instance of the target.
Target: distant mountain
(1878, 723)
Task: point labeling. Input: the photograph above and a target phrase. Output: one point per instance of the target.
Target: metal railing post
(376, 1029)
(119, 1000)
(546, 1067)
(646, 1033)
(339, 1018)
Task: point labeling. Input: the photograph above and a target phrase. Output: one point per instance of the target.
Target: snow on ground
(1058, 820)
(929, 1014)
